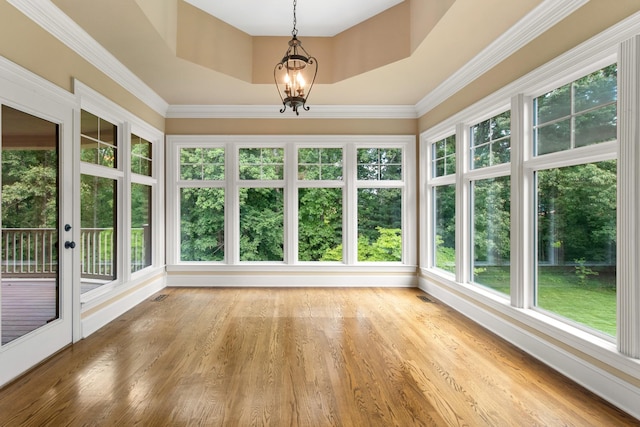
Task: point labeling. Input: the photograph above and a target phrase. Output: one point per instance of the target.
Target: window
(491, 141)
(320, 196)
(443, 192)
(202, 204)
(379, 207)
(578, 114)
(490, 206)
(491, 233)
(141, 161)
(284, 199)
(141, 230)
(261, 169)
(576, 201)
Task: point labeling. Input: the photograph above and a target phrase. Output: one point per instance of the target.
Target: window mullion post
(463, 216)
(232, 205)
(291, 204)
(426, 228)
(124, 211)
(628, 247)
(350, 236)
(521, 206)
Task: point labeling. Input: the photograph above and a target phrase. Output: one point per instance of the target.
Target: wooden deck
(26, 306)
(29, 304)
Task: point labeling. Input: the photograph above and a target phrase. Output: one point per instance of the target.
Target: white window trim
(90, 100)
(291, 183)
(585, 58)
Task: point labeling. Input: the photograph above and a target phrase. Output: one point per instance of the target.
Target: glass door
(36, 246)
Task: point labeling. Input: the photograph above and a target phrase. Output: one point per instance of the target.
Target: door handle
(69, 245)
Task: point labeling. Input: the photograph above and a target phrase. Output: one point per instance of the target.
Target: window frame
(291, 184)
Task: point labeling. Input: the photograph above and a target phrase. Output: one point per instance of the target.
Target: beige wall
(586, 22)
(28, 45)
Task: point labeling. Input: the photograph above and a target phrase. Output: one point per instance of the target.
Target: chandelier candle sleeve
(293, 72)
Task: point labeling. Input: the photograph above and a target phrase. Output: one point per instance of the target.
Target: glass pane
(501, 151)
(491, 233)
(141, 238)
(202, 164)
(445, 227)
(595, 126)
(596, 89)
(501, 125)
(379, 224)
(261, 163)
(481, 133)
(553, 137)
(481, 156)
(30, 206)
(140, 156)
(553, 105)
(261, 224)
(576, 245)
(320, 224)
(202, 224)
(97, 236)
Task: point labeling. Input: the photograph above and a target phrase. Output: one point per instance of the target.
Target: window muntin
(491, 210)
(202, 164)
(320, 164)
(380, 164)
(202, 224)
(379, 224)
(320, 224)
(444, 227)
(576, 243)
(490, 141)
(265, 163)
(443, 157)
(141, 231)
(98, 140)
(141, 153)
(577, 114)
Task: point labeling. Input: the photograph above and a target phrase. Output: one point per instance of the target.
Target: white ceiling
(322, 18)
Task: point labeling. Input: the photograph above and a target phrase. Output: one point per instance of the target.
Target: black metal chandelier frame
(296, 62)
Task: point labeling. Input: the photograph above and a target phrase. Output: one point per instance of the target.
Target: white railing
(33, 252)
(29, 251)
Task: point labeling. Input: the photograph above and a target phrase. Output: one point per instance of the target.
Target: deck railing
(33, 252)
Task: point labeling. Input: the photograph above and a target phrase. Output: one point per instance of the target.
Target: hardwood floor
(297, 357)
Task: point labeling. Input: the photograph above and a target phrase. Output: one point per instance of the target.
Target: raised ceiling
(318, 18)
(425, 43)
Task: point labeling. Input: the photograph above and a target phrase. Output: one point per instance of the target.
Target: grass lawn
(591, 302)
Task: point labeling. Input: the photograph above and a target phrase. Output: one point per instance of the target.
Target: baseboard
(292, 280)
(613, 389)
(106, 312)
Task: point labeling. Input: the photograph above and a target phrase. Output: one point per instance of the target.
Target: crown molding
(549, 13)
(59, 25)
(273, 112)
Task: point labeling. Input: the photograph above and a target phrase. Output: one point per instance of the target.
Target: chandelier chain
(295, 30)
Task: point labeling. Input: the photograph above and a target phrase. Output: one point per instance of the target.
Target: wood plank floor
(297, 357)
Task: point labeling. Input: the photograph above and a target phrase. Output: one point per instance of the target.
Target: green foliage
(29, 189)
(583, 272)
(386, 248)
(319, 222)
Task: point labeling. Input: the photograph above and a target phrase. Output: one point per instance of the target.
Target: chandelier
(295, 74)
